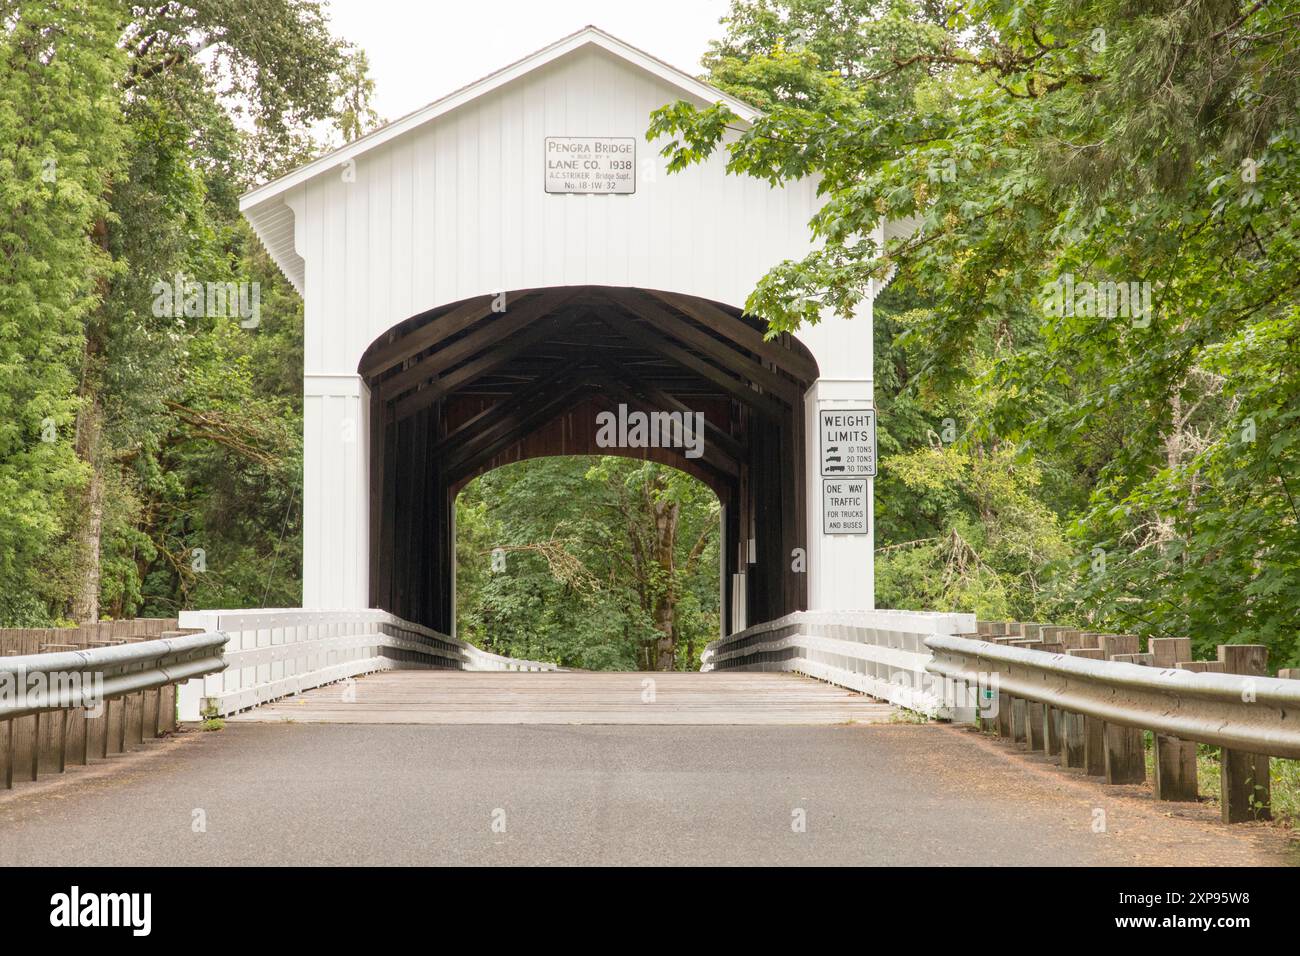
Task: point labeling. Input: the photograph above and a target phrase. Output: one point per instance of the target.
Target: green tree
(1040, 146)
(175, 473)
(599, 563)
(60, 147)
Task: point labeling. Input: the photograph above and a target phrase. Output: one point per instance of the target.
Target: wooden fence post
(84, 723)
(1004, 715)
(1094, 746)
(8, 744)
(1072, 740)
(63, 716)
(1018, 734)
(1113, 644)
(1168, 651)
(1244, 777)
(1244, 780)
(168, 695)
(1125, 755)
(36, 744)
(1052, 730)
(1175, 766)
(108, 727)
(1034, 725)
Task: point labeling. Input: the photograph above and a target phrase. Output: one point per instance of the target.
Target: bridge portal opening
(601, 563)
(587, 370)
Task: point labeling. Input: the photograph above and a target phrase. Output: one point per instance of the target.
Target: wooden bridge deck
(453, 697)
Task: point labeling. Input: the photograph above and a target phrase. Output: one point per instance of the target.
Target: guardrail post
(107, 718)
(1125, 755)
(1004, 715)
(1094, 746)
(1244, 777)
(84, 722)
(169, 708)
(1114, 644)
(1244, 780)
(136, 709)
(8, 775)
(153, 708)
(1072, 740)
(1175, 766)
(1034, 712)
(1018, 714)
(64, 718)
(36, 745)
(1052, 730)
(1168, 651)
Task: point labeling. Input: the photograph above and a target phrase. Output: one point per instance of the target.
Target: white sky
(420, 50)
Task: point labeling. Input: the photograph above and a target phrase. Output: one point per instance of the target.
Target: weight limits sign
(591, 164)
(848, 459)
(848, 442)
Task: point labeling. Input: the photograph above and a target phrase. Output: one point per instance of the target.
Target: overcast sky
(422, 49)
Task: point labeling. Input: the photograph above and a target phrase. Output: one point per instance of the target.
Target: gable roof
(587, 36)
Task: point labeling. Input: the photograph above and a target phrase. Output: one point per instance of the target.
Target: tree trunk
(85, 603)
(88, 444)
(666, 515)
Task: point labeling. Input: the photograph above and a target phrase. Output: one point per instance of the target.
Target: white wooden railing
(881, 653)
(276, 652)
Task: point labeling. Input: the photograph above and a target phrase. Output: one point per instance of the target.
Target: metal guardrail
(278, 652)
(1256, 714)
(880, 653)
(74, 703)
(1092, 715)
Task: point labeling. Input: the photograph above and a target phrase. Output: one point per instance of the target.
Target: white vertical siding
(457, 208)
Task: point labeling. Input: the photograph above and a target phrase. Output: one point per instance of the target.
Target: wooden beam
(480, 366)
(734, 448)
(719, 351)
(510, 414)
(743, 334)
(628, 328)
(487, 419)
(426, 336)
(538, 417)
(511, 322)
(712, 455)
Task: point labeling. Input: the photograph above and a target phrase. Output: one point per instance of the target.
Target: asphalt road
(294, 793)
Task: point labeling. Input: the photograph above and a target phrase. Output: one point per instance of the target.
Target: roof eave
(589, 35)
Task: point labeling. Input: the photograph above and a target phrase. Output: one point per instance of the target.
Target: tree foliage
(597, 563)
(150, 458)
(984, 156)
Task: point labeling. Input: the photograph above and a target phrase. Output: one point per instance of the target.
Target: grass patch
(1284, 781)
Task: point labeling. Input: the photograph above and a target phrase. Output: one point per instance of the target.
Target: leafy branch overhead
(980, 158)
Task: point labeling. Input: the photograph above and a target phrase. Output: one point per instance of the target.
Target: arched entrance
(678, 379)
(434, 214)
